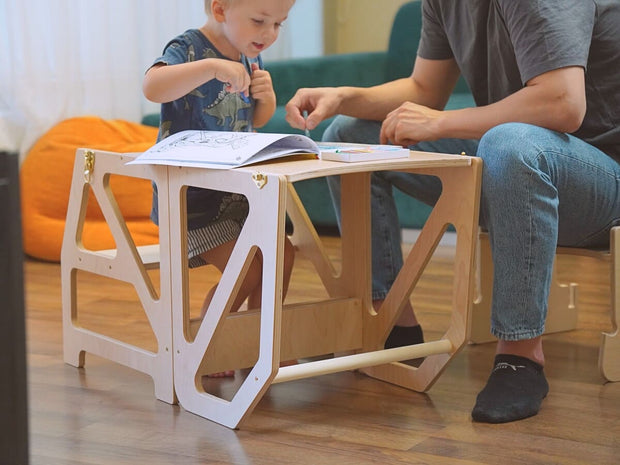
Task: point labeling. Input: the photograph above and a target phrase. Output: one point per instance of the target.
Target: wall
(302, 33)
(358, 26)
(94, 54)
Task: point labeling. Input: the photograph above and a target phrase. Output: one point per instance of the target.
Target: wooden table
(345, 324)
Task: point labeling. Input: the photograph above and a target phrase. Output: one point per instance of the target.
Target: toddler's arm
(261, 89)
(165, 83)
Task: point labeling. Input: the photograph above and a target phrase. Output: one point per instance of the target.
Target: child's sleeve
(176, 51)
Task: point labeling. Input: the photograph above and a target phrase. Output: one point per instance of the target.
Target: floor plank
(107, 414)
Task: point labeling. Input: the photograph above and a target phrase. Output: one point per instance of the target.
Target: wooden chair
(562, 306)
(126, 263)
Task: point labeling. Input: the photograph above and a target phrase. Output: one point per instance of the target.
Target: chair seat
(562, 306)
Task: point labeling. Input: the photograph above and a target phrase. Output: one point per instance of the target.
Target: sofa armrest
(345, 69)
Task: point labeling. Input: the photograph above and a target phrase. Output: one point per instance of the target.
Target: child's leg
(251, 286)
(289, 259)
(218, 257)
(254, 299)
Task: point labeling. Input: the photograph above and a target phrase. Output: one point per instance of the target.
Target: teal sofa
(351, 69)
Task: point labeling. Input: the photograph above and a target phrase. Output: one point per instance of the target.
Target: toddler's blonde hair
(208, 5)
(224, 2)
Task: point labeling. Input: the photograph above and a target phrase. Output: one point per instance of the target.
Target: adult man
(547, 126)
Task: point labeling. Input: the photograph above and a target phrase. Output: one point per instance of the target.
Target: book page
(223, 149)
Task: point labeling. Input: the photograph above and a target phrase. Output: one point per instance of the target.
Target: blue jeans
(540, 189)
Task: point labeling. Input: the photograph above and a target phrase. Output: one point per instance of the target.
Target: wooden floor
(107, 414)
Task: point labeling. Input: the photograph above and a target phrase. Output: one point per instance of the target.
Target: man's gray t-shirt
(499, 45)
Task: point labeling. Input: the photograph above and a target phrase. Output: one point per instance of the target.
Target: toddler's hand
(261, 87)
(234, 75)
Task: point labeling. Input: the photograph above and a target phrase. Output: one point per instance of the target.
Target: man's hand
(409, 124)
(320, 103)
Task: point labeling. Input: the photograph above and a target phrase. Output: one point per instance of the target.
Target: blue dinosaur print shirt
(210, 106)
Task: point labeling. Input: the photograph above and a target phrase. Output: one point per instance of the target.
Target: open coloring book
(224, 150)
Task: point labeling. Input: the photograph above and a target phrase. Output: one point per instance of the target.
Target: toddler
(212, 78)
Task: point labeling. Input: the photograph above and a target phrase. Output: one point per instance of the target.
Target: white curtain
(65, 58)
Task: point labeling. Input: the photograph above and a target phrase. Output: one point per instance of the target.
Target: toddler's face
(253, 25)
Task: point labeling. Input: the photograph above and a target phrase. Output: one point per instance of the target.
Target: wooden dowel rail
(363, 360)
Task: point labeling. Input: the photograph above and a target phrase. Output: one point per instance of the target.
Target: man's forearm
(374, 103)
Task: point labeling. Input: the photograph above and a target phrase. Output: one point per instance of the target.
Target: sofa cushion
(404, 40)
(345, 69)
(45, 178)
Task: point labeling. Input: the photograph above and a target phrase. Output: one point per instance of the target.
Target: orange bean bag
(45, 178)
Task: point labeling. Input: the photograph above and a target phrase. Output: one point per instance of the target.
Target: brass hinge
(89, 165)
(259, 179)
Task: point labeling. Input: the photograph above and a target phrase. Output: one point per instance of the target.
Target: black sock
(404, 336)
(515, 389)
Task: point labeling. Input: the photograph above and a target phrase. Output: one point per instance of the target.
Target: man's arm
(555, 100)
(430, 84)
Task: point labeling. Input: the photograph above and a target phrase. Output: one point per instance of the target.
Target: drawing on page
(211, 139)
